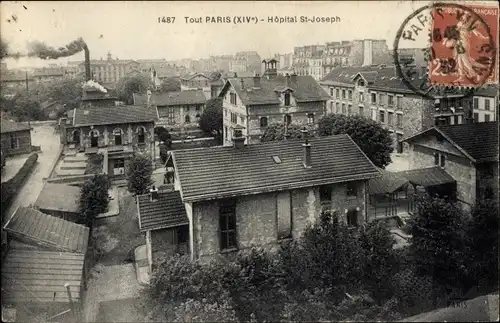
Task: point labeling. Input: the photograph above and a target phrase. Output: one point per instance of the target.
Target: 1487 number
(166, 20)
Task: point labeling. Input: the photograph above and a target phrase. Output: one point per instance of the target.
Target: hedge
(11, 187)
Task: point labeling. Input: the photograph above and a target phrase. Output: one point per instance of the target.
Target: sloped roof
(192, 75)
(389, 182)
(427, 176)
(488, 91)
(59, 197)
(51, 231)
(305, 88)
(34, 276)
(217, 172)
(12, 126)
(172, 98)
(113, 115)
(167, 211)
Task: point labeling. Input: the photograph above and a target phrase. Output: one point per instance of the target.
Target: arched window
(187, 119)
(117, 133)
(287, 98)
(141, 137)
(263, 122)
(198, 117)
(94, 138)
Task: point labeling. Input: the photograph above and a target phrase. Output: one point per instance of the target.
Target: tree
(170, 84)
(139, 174)
(163, 135)
(129, 85)
(94, 198)
(371, 137)
(211, 119)
(276, 132)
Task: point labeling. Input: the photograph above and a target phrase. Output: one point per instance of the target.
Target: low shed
(59, 200)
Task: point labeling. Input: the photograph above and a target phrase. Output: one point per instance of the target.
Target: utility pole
(27, 88)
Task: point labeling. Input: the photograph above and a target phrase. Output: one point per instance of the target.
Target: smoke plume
(43, 51)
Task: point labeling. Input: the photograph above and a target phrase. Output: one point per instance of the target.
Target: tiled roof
(488, 91)
(192, 75)
(59, 197)
(12, 126)
(96, 95)
(172, 98)
(167, 211)
(389, 182)
(479, 140)
(306, 89)
(114, 115)
(33, 276)
(51, 231)
(217, 172)
(427, 176)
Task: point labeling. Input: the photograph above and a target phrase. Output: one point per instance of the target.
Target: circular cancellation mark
(457, 46)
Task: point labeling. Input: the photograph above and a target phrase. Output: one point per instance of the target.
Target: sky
(130, 30)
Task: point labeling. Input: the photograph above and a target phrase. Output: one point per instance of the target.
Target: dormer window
(361, 83)
(287, 98)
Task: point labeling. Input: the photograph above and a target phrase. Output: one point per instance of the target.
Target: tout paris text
(237, 20)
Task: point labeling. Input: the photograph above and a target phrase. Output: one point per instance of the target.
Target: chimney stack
(153, 193)
(149, 98)
(238, 139)
(307, 150)
(256, 80)
(88, 76)
(287, 79)
(242, 83)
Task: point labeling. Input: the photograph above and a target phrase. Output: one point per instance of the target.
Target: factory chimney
(88, 76)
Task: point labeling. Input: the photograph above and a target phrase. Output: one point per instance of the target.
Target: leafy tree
(170, 84)
(371, 137)
(24, 106)
(437, 245)
(163, 135)
(94, 198)
(276, 132)
(211, 119)
(139, 174)
(129, 85)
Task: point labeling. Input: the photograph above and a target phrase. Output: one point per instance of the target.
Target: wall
(180, 112)
(480, 108)
(23, 138)
(487, 178)
(256, 217)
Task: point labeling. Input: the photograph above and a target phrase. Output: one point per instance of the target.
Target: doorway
(352, 218)
(76, 137)
(94, 138)
(118, 137)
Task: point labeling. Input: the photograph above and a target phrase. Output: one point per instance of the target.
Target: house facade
(207, 83)
(485, 104)
(468, 152)
(110, 70)
(377, 93)
(15, 137)
(117, 132)
(253, 103)
(282, 189)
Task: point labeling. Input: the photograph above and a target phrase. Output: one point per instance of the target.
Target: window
(442, 161)
(225, 132)
(234, 117)
(486, 117)
(343, 94)
(382, 116)
(352, 190)
(171, 115)
(14, 141)
(399, 138)
(325, 193)
(242, 119)
(381, 99)
(349, 95)
(399, 120)
(197, 108)
(476, 103)
(337, 108)
(331, 91)
(390, 100)
(233, 98)
(310, 118)
(487, 104)
(343, 108)
(374, 114)
(187, 119)
(227, 224)
(349, 109)
(476, 117)
(374, 98)
(361, 111)
(182, 234)
(337, 93)
(361, 97)
(119, 163)
(263, 122)
(140, 135)
(284, 215)
(118, 136)
(287, 98)
(361, 83)
(225, 112)
(288, 119)
(439, 159)
(390, 118)
(399, 102)
(352, 218)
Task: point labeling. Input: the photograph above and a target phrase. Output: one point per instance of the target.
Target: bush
(94, 198)
(139, 174)
(11, 187)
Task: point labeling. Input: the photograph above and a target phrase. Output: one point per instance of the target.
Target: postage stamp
(463, 45)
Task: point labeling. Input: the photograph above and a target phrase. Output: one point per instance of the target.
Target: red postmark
(464, 47)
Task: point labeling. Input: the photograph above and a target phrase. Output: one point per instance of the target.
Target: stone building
(110, 70)
(377, 93)
(258, 195)
(485, 104)
(468, 152)
(302, 55)
(116, 132)
(256, 102)
(209, 83)
(178, 112)
(15, 137)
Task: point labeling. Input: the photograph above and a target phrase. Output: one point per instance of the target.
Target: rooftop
(92, 116)
(217, 172)
(389, 182)
(165, 212)
(59, 197)
(47, 230)
(36, 276)
(12, 126)
(305, 89)
(426, 177)
(172, 98)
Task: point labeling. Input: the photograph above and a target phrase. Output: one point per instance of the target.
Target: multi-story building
(485, 104)
(283, 189)
(238, 65)
(467, 152)
(206, 82)
(117, 132)
(355, 53)
(179, 112)
(378, 94)
(315, 66)
(302, 55)
(284, 59)
(16, 137)
(252, 60)
(109, 71)
(252, 103)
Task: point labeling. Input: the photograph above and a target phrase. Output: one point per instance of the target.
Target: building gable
(436, 141)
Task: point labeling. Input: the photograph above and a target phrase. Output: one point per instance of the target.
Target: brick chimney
(256, 80)
(153, 194)
(242, 83)
(307, 150)
(287, 79)
(238, 139)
